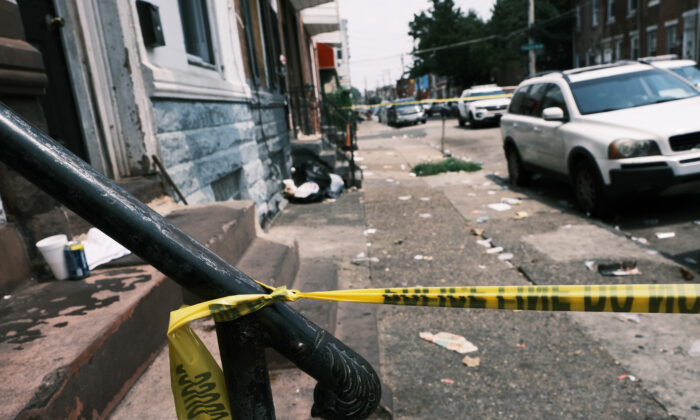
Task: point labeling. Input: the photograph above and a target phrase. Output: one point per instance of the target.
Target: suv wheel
(516, 171)
(472, 123)
(588, 188)
(461, 121)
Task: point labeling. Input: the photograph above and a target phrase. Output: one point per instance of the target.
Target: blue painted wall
(203, 142)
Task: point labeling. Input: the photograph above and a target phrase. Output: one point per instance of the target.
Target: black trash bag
(314, 172)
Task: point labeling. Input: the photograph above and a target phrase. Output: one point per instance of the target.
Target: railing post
(245, 369)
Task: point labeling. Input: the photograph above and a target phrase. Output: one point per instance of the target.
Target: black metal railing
(339, 129)
(348, 387)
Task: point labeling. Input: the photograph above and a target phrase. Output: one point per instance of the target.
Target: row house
(211, 93)
(611, 30)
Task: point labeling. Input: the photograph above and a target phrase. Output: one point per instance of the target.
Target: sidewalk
(533, 365)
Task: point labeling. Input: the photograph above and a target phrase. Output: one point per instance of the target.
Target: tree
(445, 24)
(356, 95)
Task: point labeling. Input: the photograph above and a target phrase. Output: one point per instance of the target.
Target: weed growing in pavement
(447, 165)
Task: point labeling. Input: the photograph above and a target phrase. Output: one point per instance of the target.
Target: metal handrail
(348, 386)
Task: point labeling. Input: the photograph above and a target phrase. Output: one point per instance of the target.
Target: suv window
(516, 104)
(629, 90)
(554, 98)
(532, 105)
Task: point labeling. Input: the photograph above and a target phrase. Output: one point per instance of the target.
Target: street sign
(528, 47)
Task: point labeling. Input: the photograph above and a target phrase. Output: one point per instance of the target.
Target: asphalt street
(531, 365)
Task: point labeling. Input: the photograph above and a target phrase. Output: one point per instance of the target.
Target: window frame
(611, 11)
(205, 13)
(595, 11)
(652, 30)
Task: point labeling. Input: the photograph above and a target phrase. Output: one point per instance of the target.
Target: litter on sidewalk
(362, 257)
(505, 256)
(694, 349)
(423, 257)
(626, 268)
(510, 201)
(449, 341)
(521, 215)
(425, 215)
(404, 197)
(630, 377)
(499, 206)
(494, 250)
(665, 235)
(370, 231)
(471, 361)
(447, 381)
(686, 274)
(482, 219)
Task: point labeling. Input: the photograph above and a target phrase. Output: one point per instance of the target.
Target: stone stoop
(71, 349)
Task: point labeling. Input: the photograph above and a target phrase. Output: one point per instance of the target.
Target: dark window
(554, 98)
(516, 104)
(533, 103)
(196, 30)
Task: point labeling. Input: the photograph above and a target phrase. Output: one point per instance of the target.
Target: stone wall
(216, 151)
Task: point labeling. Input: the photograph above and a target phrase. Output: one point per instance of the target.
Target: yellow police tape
(199, 387)
(430, 101)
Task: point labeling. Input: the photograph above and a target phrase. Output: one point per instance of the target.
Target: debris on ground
(484, 242)
(425, 199)
(449, 341)
(425, 215)
(521, 215)
(491, 192)
(423, 257)
(686, 274)
(482, 219)
(398, 242)
(665, 235)
(642, 241)
(499, 206)
(471, 361)
(630, 377)
(505, 256)
(694, 349)
(404, 197)
(625, 268)
(362, 257)
(696, 222)
(690, 260)
(629, 318)
(511, 201)
(447, 381)
(477, 232)
(521, 345)
(494, 250)
(370, 231)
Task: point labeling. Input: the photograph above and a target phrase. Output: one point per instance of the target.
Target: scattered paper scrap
(521, 215)
(505, 256)
(690, 260)
(370, 231)
(642, 241)
(484, 242)
(694, 349)
(629, 318)
(447, 381)
(482, 219)
(665, 235)
(494, 250)
(425, 199)
(471, 361)
(449, 341)
(491, 192)
(360, 260)
(425, 215)
(590, 264)
(626, 268)
(521, 345)
(404, 197)
(423, 257)
(630, 377)
(499, 206)
(511, 201)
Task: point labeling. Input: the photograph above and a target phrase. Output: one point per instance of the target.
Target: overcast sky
(379, 28)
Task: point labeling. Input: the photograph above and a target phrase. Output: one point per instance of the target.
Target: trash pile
(312, 182)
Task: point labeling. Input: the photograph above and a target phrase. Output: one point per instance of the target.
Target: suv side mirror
(553, 114)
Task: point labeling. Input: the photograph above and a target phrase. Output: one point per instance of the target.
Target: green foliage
(447, 165)
(444, 23)
(356, 95)
(374, 100)
(338, 108)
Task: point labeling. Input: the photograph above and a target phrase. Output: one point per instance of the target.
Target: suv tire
(462, 123)
(472, 122)
(588, 189)
(517, 173)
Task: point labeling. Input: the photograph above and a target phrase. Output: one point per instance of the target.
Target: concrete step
(292, 390)
(72, 349)
(270, 262)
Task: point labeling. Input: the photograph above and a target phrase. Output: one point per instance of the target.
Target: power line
(470, 41)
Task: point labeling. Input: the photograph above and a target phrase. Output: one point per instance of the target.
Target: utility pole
(401, 75)
(530, 40)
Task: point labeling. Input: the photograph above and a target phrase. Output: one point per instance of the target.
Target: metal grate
(684, 141)
(496, 107)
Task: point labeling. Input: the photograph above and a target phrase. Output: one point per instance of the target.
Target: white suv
(687, 69)
(482, 104)
(610, 130)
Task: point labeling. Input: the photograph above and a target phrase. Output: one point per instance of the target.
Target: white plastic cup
(51, 249)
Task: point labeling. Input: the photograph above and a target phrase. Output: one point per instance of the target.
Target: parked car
(610, 130)
(436, 109)
(405, 111)
(687, 69)
(478, 111)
